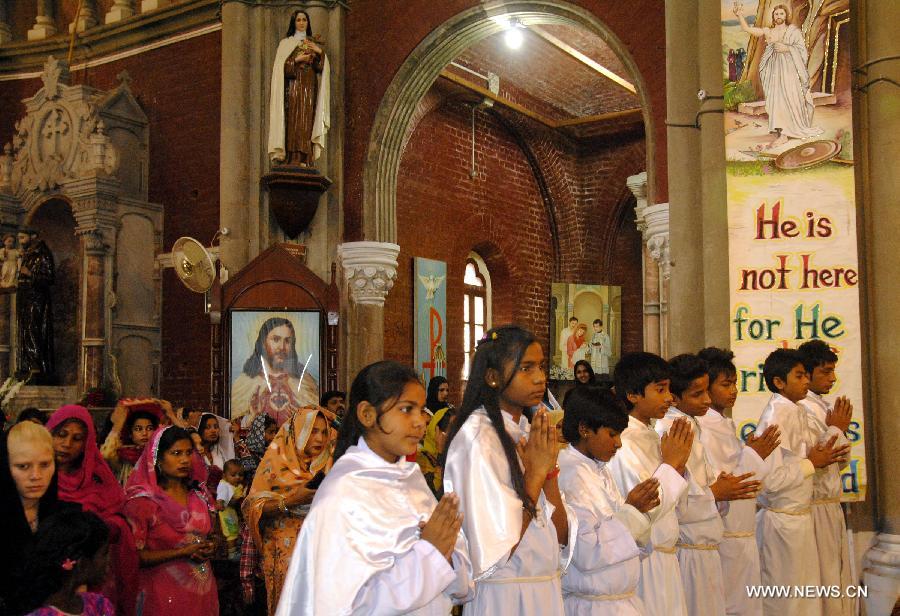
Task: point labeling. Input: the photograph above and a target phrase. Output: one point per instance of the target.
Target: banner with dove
(430, 280)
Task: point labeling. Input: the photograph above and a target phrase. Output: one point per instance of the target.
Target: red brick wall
(381, 35)
(444, 214)
(179, 88)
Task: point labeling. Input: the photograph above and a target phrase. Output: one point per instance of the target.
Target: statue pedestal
(294, 194)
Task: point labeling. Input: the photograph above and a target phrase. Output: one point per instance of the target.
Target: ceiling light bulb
(513, 37)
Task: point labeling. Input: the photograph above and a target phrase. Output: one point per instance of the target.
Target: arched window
(476, 307)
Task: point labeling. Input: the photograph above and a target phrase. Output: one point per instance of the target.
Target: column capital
(637, 184)
(653, 223)
(370, 269)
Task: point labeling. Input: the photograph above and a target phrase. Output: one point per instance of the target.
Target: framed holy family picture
(585, 325)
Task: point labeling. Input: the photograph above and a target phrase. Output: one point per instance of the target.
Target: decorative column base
(369, 272)
(120, 10)
(152, 5)
(43, 28)
(881, 575)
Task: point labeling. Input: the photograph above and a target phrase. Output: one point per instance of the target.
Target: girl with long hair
(374, 519)
(505, 475)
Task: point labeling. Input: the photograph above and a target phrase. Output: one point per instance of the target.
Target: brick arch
(420, 69)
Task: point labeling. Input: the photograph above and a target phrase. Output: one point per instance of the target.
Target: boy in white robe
(784, 527)
(606, 568)
(828, 517)
(700, 525)
(642, 384)
(727, 453)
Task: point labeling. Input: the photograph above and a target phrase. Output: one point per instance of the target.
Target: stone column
(5, 31)
(87, 17)
(369, 272)
(878, 125)
(93, 337)
(121, 9)
(44, 25)
(653, 223)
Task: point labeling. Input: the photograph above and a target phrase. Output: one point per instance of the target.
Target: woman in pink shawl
(169, 509)
(86, 479)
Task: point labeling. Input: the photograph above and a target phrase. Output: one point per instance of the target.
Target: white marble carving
(370, 269)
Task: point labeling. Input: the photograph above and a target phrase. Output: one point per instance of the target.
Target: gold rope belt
(827, 501)
(663, 550)
(619, 597)
(742, 534)
(521, 580)
(804, 511)
(697, 546)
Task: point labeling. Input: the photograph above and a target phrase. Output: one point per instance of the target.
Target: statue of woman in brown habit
(298, 114)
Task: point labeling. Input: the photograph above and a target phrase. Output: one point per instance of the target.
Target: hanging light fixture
(513, 35)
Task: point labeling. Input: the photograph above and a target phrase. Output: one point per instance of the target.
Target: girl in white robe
(515, 519)
(375, 541)
(606, 566)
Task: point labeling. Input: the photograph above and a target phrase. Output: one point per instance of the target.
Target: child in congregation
(399, 553)
(505, 476)
(642, 385)
(700, 526)
(229, 495)
(606, 568)
(70, 553)
(784, 526)
(726, 453)
(827, 421)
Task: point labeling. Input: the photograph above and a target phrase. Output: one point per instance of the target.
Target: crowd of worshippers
(638, 496)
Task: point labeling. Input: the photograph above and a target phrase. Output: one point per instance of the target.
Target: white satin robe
(700, 528)
(639, 459)
(784, 527)
(828, 517)
(606, 566)
(359, 550)
(528, 581)
(737, 550)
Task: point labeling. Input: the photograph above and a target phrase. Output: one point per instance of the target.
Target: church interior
(231, 207)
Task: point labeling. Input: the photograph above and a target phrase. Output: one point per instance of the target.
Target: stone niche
(77, 171)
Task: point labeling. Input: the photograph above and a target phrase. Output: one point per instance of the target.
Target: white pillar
(653, 223)
(43, 24)
(369, 271)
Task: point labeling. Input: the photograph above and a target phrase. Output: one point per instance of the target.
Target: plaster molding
(370, 269)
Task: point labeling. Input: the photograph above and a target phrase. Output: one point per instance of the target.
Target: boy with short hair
(726, 453)
(825, 422)
(784, 527)
(699, 522)
(642, 384)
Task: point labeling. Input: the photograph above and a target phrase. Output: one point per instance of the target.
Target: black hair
(634, 371)
(31, 413)
(594, 407)
(254, 364)
(268, 422)
(292, 27)
(381, 385)
(431, 397)
(444, 422)
(231, 463)
(605, 381)
(172, 435)
(816, 353)
(686, 368)
(587, 365)
(328, 395)
(133, 417)
(718, 361)
(779, 364)
(201, 425)
(598, 321)
(573, 318)
(64, 547)
(502, 350)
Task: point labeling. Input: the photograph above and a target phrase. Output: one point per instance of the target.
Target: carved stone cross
(53, 129)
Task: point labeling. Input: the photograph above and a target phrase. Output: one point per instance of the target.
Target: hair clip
(69, 564)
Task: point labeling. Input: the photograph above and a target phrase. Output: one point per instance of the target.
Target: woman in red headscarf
(134, 422)
(85, 478)
(170, 508)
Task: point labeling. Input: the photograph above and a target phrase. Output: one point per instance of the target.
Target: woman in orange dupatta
(279, 498)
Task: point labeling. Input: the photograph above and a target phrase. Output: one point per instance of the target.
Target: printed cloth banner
(430, 283)
(791, 208)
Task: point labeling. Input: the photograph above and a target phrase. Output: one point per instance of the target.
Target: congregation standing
(642, 500)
